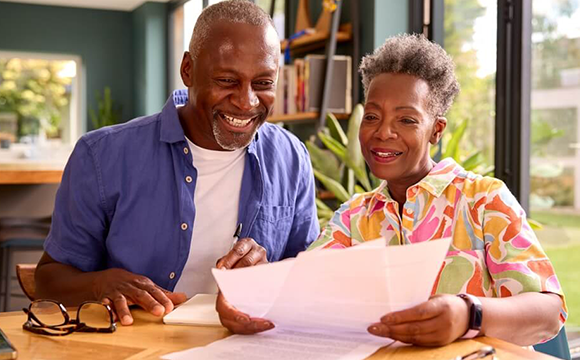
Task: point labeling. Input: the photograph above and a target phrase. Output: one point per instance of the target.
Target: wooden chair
(25, 274)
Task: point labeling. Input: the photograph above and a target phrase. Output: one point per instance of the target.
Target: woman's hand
(238, 322)
(439, 321)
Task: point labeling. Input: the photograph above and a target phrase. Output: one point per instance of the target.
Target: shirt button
(188, 179)
(409, 211)
(172, 275)
(184, 226)
(185, 150)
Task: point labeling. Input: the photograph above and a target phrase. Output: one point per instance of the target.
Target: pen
(237, 233)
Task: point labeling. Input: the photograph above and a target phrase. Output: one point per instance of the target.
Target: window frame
(513, 85)
(78, 103)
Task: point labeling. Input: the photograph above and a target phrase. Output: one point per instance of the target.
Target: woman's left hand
(438, 321)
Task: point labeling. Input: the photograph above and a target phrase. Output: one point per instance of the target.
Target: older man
(152, 204)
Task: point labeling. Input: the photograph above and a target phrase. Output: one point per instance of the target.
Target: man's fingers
(238, 322)
(240, 249)
(145, 300)
(423, 311)
(255, 325)
(227, 311)
(121, 309)
(253, 257)
(161, 297)
(177, 298)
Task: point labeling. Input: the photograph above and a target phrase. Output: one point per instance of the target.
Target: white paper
(286, 344)
(253, 289)
(199, 310)
(343, 289)
(323, 301)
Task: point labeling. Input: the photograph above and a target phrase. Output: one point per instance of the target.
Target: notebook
(199, 310)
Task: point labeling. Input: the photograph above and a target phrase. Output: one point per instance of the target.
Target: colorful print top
(494, 252)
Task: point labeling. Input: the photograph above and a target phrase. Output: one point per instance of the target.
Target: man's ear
(186, 69)
(438, 127)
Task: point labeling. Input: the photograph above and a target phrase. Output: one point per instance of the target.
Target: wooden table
(149, 338)
(30, 173)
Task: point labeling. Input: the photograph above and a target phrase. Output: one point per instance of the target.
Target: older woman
(496, 280)
(507, 286)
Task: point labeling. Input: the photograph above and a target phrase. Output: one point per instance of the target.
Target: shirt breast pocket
(272, 229)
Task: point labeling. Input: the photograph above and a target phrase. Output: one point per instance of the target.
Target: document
(323, 301)
(344, 289)
(286, 344)
(199, 310)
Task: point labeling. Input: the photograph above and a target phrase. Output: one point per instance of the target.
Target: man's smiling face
(233, 84)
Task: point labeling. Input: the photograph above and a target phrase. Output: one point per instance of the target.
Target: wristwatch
(475, 316)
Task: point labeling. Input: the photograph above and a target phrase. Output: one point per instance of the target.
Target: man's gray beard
(239, 139)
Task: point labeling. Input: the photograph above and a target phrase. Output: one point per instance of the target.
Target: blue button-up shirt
(124, 200)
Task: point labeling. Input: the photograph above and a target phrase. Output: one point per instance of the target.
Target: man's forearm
(524, 319)
(63, 283)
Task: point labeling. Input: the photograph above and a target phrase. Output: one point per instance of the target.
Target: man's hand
(246, 252)
(120, 289)
(439, 321)
(238, 322)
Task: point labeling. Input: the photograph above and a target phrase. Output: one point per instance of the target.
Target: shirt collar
(171, 130)
(438, 179)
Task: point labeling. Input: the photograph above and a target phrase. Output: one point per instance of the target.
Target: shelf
(302, 117)
(317, 39)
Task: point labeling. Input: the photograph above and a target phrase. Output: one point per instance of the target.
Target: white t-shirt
(216, 199)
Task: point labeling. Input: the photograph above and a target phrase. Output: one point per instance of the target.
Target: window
(39, 101)
(470, 32)
(555, 139)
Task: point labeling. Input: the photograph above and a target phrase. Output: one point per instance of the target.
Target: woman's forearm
(524, 319)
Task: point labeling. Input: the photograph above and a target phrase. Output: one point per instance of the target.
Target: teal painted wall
(150, 49)
(390, 18)
(102, 38)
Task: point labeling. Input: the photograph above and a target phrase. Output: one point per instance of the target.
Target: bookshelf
(302, 117)
(317, 40)
(328, 32)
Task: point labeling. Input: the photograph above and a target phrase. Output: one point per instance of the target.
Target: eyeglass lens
(48, 312)
(94, 315)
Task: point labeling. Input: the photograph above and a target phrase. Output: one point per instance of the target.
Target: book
(340, 100)
(199, 310)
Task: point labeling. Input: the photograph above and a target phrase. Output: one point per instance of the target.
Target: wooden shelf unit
(317, 40)
(302, 117)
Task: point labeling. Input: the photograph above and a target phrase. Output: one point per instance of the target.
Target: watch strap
(475, 316)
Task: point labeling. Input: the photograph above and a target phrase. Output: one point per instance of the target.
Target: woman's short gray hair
(415, 55)
(236, 11)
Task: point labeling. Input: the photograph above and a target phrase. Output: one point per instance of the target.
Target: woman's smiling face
(397, 128)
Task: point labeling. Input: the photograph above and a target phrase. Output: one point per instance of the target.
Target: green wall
(150, 49)
(124, 50)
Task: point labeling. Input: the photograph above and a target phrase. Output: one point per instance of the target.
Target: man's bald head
(234, 11)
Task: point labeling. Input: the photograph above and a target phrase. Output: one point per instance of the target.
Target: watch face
(476, 317)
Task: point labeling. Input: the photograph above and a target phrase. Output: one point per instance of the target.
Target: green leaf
(375, 181)
(324, 161)
(535, 225)
(333, 145)
(335, 129)
(321, 205)
(350, 181)
(473, 161)
(452, 148)
(355, 159)
(333, 186)
(358, 189)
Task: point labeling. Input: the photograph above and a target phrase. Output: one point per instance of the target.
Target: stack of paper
(332, 294)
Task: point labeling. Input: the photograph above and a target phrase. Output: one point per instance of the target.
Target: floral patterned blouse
(494, 252)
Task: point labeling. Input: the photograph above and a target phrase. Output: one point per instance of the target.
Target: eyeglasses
(49, 317)
(478, 354)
